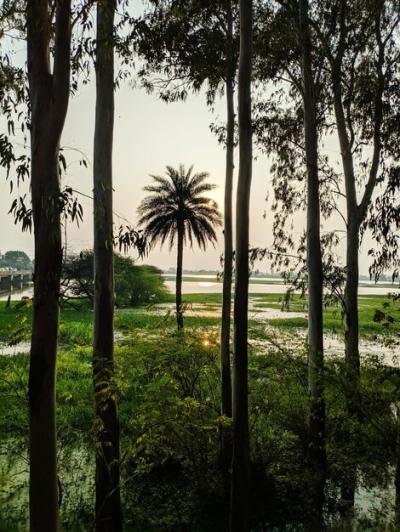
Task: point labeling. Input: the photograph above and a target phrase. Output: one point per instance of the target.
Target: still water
(208, 284)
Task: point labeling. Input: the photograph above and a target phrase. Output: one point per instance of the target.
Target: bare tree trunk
(352, 354)
(353, 226)
(226, 384)
(316, 448)
(351, 315)
(49, 95)
(108, 503)
(179, 263)
(350, 309)
(241, 459)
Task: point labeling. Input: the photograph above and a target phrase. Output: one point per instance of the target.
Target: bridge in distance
(10, 277)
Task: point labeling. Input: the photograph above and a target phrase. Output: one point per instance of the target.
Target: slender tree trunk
(351, 315)
(226, 384)
(241, 459)
(352, 356)
(353, 226)
(179, 262)
(351, 340)
(316, 449)
(108, 504)
(49, 94)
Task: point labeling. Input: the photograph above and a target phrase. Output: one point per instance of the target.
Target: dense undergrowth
(168, 396)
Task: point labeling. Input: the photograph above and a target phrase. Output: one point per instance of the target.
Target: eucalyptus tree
(108, 502)
(287, 126)
(177, 209)
(49, 87)
(355, 53)
(192, 43)
(241, 455)
(360, 43)
(316, 443)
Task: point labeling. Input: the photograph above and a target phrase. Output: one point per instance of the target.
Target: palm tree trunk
(179, 262)
(226, 384)
(49, 95)
(316, 449)
(241, 459)
(108, 504)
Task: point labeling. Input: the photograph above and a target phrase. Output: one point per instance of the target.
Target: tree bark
(352, 245)
(226, 384)
(241, 459)
(49, 95)
(108, 503)
(316, 446)
(179, 263)
(350, 308)
(352, 356)
(351, 316)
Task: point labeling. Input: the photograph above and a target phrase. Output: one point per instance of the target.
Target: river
(208, 284)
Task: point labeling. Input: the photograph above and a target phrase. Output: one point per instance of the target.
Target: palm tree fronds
(177, 199)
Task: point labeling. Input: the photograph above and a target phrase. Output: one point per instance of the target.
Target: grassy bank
(379, 315)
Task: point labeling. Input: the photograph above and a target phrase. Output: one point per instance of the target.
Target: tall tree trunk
(108, 504)
(226, 384)
(351, 315)
(316, 448)
(350, 308)
(352, 354)
(353, 226)
(241, 459)
(179, 262)
(49, 95)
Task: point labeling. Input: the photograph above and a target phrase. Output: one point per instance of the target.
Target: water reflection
(209, 287)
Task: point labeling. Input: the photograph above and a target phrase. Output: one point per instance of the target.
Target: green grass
(333, 320)
(76, 326)
(153, 365)
(76, 323)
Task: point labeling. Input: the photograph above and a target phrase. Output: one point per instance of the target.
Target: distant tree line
(134, 284)
(17, 260)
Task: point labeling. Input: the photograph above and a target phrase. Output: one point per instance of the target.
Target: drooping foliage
(184, 45)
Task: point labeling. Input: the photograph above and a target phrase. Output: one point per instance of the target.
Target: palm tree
(177, 209)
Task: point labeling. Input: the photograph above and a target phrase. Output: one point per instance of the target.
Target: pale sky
(150, 134)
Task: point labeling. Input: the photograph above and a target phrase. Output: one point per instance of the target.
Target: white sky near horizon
(150, 134)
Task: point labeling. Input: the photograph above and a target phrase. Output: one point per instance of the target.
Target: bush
(134, 285)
